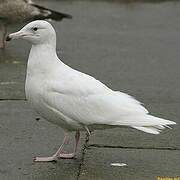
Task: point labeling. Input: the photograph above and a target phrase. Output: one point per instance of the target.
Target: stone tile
(142, 164)
(22, 138)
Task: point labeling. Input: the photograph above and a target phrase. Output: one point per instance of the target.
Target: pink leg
(71, 155)
(59, 153)
(55, 156)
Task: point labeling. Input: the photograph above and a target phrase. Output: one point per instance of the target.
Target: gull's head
(36, 32)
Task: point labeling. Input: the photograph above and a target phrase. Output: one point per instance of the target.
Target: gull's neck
(42, 59)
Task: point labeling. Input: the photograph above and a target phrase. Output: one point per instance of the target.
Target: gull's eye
(35, 29)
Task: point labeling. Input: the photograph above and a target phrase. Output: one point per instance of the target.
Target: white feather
(150, 130)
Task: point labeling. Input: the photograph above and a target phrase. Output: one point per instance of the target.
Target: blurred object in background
(18, 11)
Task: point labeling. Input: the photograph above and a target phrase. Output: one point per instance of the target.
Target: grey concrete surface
(130, 47)
(142, 164)
(22, 138)
(12, 76)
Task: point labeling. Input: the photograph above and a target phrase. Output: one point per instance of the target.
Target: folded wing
(92, 103)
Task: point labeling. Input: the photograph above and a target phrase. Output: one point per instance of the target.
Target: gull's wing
(110, 109)
(87, 101)
(45, 13)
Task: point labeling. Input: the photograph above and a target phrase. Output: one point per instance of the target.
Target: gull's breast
(36, 95)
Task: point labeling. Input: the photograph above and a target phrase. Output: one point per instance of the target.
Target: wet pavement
(132, 47)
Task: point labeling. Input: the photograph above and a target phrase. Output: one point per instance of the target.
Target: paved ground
(130, 47)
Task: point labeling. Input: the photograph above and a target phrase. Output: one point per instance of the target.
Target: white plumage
(74, 100)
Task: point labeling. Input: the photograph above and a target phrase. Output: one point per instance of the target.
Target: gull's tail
(157, 126)
(146, 123)
(45, 13)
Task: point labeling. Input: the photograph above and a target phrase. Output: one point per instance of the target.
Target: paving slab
(23, 138)
(12, 70)
(142, 164)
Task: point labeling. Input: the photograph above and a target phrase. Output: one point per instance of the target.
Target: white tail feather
(151, 130)
(145, 121)
(157, 125)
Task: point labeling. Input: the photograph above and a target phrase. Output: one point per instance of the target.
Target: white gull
(73, 100)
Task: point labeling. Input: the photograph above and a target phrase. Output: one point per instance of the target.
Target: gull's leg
(88, 132)
(71, 155)
(87, 129)
(3, 30)
(56, 155)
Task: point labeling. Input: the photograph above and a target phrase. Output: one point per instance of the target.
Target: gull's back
(16, 11)
(13, 11)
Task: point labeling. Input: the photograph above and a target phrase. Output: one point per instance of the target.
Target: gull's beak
(16, 35)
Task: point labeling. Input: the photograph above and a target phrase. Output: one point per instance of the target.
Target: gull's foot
(67, 156)
(45, 159)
